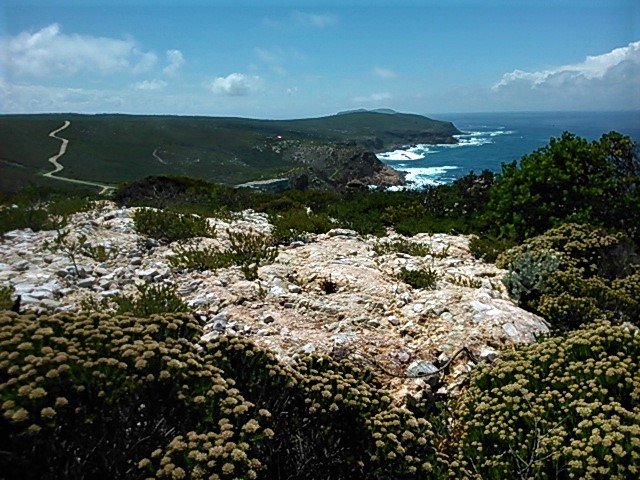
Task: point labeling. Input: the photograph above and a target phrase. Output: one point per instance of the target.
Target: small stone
(21, 266)
(294, 289)
(510, 330)
(219, 322)
(86, 282)
(488, 354)
(446, 315)
(373, 323)
(50, 304)
(308, 348)
(135, 261)
(268, 318)
(111, 293)
(393, 320)
(147, 273)
(342, 232)
(403, 356)
(421, 368)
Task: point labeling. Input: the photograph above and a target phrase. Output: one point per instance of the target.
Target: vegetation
(170, 227)
(225, 150)
(570, 180)
(567, 407)
(426, 278)
(248, 250)
(574, 274)
(139, 398)
(6, 297)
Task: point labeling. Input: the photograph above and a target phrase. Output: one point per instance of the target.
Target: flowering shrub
(100, 397)
(574, 274)
(93, 396)
(327, 416)
(565, 408)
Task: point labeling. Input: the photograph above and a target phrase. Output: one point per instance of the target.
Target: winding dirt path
(58, 167)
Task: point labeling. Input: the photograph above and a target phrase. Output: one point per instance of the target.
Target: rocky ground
(372, 317)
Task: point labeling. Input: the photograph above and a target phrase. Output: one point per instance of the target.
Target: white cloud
(150, 85)
(235, 85)
(273, 58)
(384, 73)
(374, 97)
(609, 80)
(51, 52)
(175, 60)
(318, 20)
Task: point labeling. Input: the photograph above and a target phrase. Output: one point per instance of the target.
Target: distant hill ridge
(110, 148)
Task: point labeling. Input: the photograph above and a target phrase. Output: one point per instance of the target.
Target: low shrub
(567, 407)
(168, 227)
(464, 281)
(150, 299)
(293, 225)
(6, 297)
(574, 274)
(426, 278)
(126, 397)
(250, 250)
(489, 248)
(202, 259)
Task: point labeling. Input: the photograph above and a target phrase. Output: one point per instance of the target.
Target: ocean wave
(419, 177)
(413, 153)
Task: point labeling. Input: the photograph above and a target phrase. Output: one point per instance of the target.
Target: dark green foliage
(250, 250)
(410, 248)
(6, 297)
(331, 420)
(170, 227)
(426, 278)
(570, 180)
(206, 258)
(150, 299)
(92, 396)
(567, 407)
(488, 248)
(295, 224)
(574, 274)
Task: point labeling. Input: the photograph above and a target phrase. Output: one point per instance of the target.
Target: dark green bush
(6, 297)
(410, 248)
(488, 248)
(426, 278)
(150, 299)
(250, 250)
(206, 258)
(570, 180)
(565, 408)
(170, 227)
(292, 225)
(573, 274)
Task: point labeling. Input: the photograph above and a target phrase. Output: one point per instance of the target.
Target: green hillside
(114, 148)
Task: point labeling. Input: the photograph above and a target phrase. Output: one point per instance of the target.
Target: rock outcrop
(367, 315)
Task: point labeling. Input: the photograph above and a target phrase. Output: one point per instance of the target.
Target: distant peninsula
(333, 151)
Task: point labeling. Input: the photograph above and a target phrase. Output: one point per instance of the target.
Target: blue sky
(282, 60)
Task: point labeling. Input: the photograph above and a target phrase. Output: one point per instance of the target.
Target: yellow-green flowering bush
(94, 396)
(565, 408)
(575, 274)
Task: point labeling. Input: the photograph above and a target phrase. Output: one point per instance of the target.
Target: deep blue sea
(490, 139)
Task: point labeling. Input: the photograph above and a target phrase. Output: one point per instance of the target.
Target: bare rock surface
(367, 315)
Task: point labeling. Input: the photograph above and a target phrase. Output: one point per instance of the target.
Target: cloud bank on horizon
(48, 69)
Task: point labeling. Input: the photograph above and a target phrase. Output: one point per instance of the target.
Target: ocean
(490, 139)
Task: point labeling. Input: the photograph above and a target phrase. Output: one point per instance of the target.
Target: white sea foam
(401, 155)
(420, 177)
